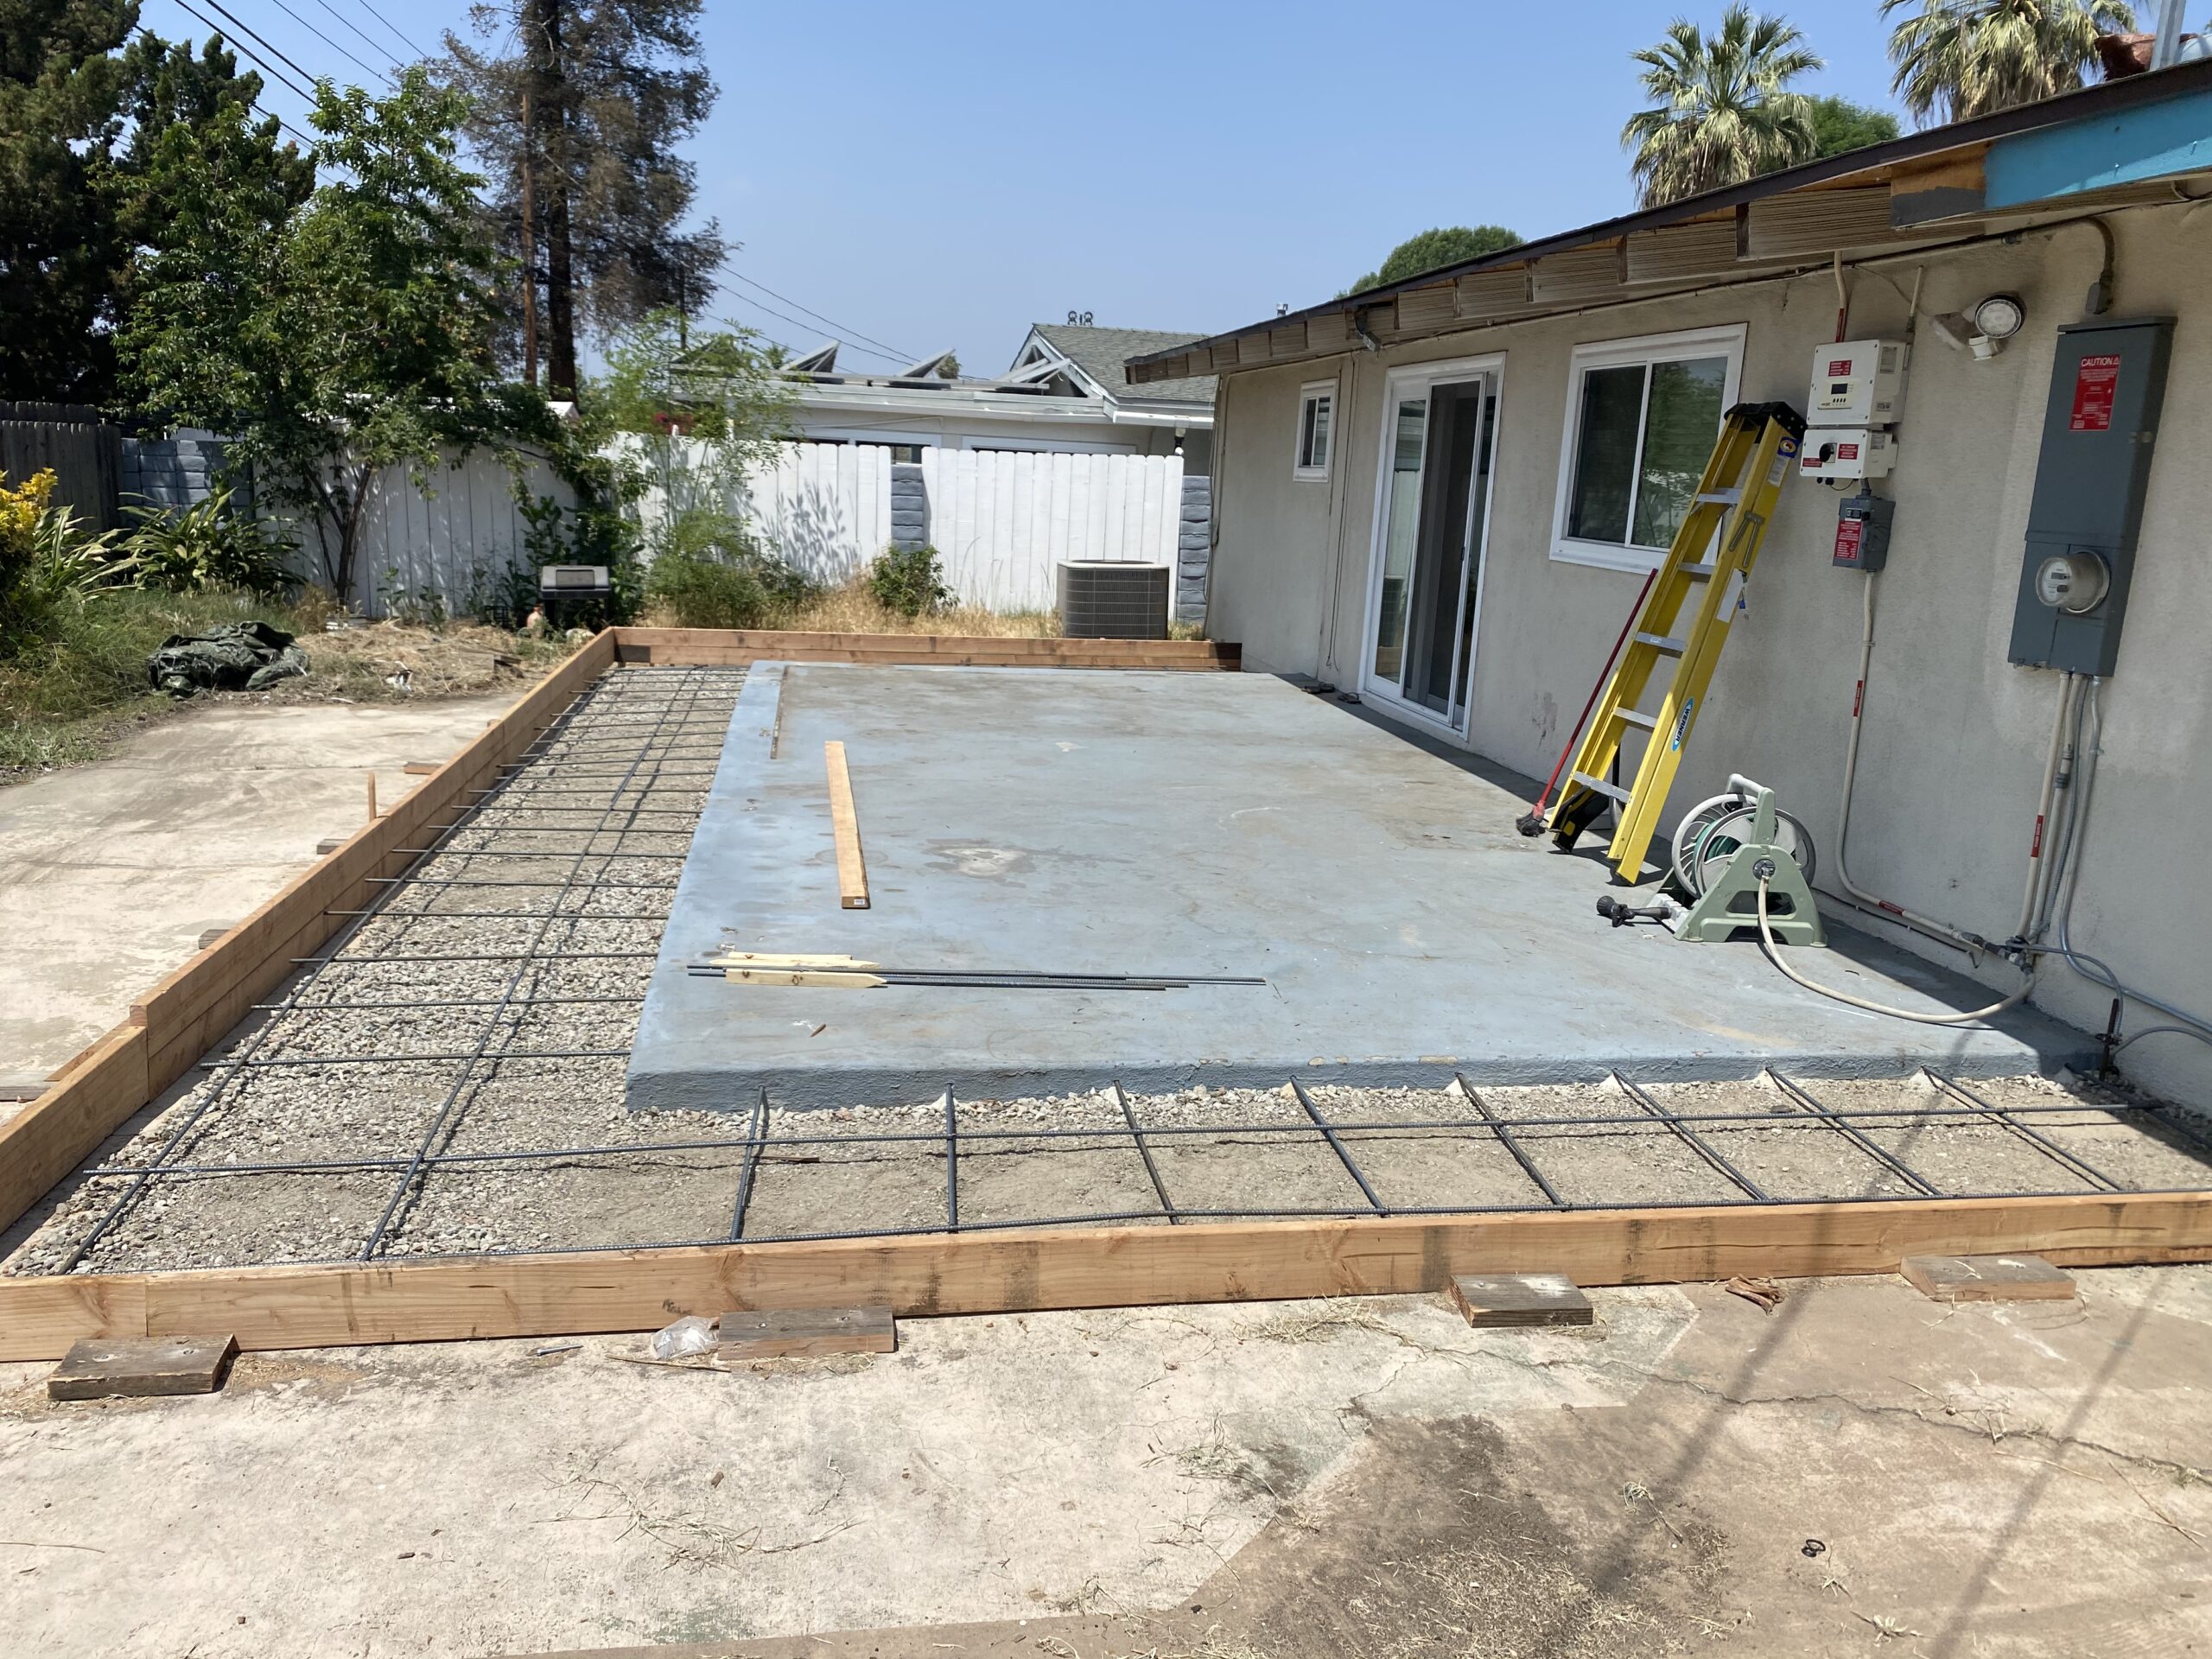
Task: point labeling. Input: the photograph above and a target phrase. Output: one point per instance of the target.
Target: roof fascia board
(2130, 146)
(2107, 98)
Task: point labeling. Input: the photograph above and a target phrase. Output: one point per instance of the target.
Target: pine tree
(582, 118)
(60, 88)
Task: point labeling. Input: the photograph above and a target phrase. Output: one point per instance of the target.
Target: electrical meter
(1847, 452)
(1857, 383)
(2075, 583)
(2100, 428)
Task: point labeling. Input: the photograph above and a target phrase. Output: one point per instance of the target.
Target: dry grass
(853, 609)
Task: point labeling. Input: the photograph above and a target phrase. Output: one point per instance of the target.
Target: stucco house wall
(1955, 737)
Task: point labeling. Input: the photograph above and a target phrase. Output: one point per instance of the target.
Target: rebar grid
(652, 735)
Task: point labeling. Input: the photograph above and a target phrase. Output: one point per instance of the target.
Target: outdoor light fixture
(1982, 329)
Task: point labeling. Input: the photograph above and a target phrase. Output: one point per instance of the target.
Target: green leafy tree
(686, 424)
(1433, 250)
(584, 118)
(59, 87)
(80, 114)
(1839, 126)
(1959, 59)
(1721, 111)
(345, 337)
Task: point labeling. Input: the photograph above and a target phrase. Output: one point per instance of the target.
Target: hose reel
(1725, 849)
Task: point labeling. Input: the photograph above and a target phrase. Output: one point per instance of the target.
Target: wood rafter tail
(1008, 1272)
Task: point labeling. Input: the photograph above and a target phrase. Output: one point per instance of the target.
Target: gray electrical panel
(2100, 426)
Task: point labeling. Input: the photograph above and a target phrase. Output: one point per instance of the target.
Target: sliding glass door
(1431, 512)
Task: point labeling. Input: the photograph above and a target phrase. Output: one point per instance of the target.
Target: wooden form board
(845, 826)
(724, 648)
(1023, 1270)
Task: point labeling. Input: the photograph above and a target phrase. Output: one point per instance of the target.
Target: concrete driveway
(110, 873)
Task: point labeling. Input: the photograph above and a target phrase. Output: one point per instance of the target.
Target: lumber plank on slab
(845, 825)
(1018, 1271)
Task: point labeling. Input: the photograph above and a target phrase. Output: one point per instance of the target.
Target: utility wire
(310, 79)
(835, 326)
(248, 53)
(398, 63)
(257, 104)
(804, 328)
(326, 40)
(388, 23)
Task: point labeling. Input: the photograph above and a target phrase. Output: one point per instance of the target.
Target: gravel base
(627, 773)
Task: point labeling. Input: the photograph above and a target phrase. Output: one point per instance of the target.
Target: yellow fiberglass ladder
(1685, 616)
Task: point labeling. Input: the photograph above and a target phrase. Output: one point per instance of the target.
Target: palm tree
(1720, 114)
(1959, 59)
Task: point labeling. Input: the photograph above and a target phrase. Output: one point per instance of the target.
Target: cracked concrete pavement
(1859, 1468)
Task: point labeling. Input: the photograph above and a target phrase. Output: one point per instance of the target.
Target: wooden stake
(844, 822)
(372, 797)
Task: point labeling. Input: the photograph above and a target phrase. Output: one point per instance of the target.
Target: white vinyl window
(1316, 414)
(1642, 416)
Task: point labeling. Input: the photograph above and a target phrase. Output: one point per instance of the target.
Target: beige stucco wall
(1955, 736)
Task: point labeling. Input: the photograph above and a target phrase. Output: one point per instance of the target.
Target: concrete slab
(110, 874)
(1163, 824)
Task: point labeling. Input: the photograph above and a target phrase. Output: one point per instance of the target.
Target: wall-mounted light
(1983, 327)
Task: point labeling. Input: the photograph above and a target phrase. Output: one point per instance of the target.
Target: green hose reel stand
(1731, 900)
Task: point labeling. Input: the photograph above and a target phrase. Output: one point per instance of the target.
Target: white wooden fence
(450, 545)
(1004, 521)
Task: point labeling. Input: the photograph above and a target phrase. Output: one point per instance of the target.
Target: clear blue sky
(943, 174)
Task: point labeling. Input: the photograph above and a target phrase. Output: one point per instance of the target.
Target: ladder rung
(1726, 498)
(1701, 569)
(1613, 790)
(1665, 642)
(1637, 717)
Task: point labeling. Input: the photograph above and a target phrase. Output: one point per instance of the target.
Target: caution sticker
(2096, 380)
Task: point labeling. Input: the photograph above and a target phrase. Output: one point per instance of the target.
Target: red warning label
(1849, 534)
(2095, 381)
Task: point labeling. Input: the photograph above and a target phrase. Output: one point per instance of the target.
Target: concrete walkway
(1860, 1471)
(110, 873)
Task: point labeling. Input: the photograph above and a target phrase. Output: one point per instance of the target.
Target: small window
(1642, 418)
(1317, 411)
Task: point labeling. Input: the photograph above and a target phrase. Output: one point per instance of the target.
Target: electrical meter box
(1847, 452)
(1857, 383)
(2100, 423)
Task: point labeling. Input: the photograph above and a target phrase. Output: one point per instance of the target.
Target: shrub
(208, 545)
(910, 581)
(712, 574)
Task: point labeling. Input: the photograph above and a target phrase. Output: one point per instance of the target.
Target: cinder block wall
(175, 473)
(1193, 549)
(910, 505)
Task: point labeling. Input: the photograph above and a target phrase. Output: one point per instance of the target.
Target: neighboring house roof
(2108, 146)
(1101, 354)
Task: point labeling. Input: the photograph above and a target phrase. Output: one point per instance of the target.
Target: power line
(326, 40)
(747, 299)
(357, 29)
(388, 23)
(247, 53)
(294, 67)
(839, 327)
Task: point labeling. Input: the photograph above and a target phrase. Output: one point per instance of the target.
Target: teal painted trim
(2152, 140)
